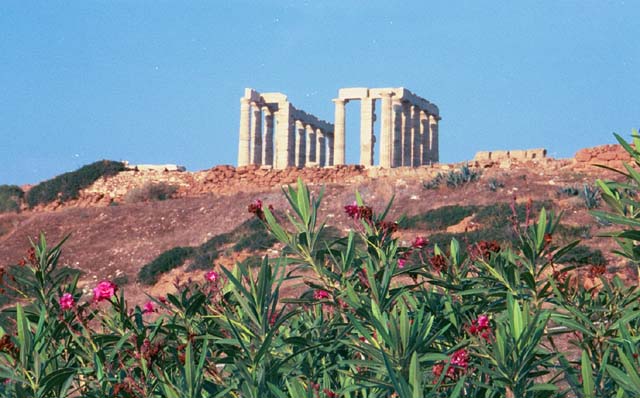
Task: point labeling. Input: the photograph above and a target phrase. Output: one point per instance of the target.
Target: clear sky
(160, 81)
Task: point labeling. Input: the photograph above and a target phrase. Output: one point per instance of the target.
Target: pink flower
(67, 301)
(212, 276)
(483, 322)
(148, 307)
(460, 358)
(352, 210)
(401, 262)
(321, 295)
(481, 327)
(104, 291)
(419, 242)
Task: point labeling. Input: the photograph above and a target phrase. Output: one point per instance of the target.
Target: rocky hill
(113, 238)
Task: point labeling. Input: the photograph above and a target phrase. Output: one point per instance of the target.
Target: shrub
(151, 191)
(165, 262)
(11, 197)
(493, 185)
(440, 218)
(568, 191)
(453, 178)
(68, 185)
(591, 196)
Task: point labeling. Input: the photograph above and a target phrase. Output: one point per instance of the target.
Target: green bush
(68, 185)
(440, 218)
(165, 262)
(151, 191)
(11, 197)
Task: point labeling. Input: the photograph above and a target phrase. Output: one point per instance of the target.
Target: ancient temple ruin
(288, 137)
(274, 133)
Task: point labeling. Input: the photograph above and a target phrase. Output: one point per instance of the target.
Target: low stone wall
(607, 155)
(515, 154)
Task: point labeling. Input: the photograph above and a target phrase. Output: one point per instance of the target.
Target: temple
(274, 133)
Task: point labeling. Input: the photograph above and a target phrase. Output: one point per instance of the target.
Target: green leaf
(588, 385)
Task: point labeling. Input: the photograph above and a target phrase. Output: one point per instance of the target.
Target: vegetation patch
(165, 262)
(151, 191)
(68, 185)
(11, 196)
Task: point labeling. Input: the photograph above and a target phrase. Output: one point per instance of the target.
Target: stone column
(330, 147)
(339, 132)
(243, 146)
(397, 133)
(321, 148)
(406, 134)
(267, 157)
(256, 134)
(425, 142)
(311, 143)
(285, 139)
(416, 140)
(300, 144)
(433, 134)
(366, 131)
(386, 131)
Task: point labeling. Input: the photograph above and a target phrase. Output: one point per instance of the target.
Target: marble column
(386, 131)
(366, 131)
(433, 134)
(321, 148)
(416, 140)
(301, 147)
(406, 134)
(284, 137)
(339, 132)
(424, 135)
(256, 134)
(330, 148)
(397, 133)
(243, 146)
(311, 144)
(267, 157)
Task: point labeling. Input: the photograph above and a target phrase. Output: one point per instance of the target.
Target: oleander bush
(68, 185)
(377, 319)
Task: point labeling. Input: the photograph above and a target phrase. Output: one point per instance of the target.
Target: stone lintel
(308, 118)
(274, 97)
(353, 93)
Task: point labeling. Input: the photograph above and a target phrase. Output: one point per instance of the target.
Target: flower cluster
(255, 207)
(67, 301)
(321, 295)
(458, 364)
(104, 291)
(480, 327)
(359, 212)
(212, 276)
(483, 249)
(438, 262)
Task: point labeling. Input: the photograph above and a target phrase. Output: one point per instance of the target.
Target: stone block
(353, 93)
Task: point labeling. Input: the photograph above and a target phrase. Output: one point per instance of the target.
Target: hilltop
(113, 236)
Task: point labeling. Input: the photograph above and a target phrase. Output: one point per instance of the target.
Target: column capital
(340, 100)
(256, 105)
(245, 101)
(388, 94)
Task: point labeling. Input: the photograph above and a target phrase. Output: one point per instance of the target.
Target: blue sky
(160, 81)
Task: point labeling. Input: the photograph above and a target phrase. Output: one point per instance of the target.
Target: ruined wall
(608, 155)
(515, 154)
